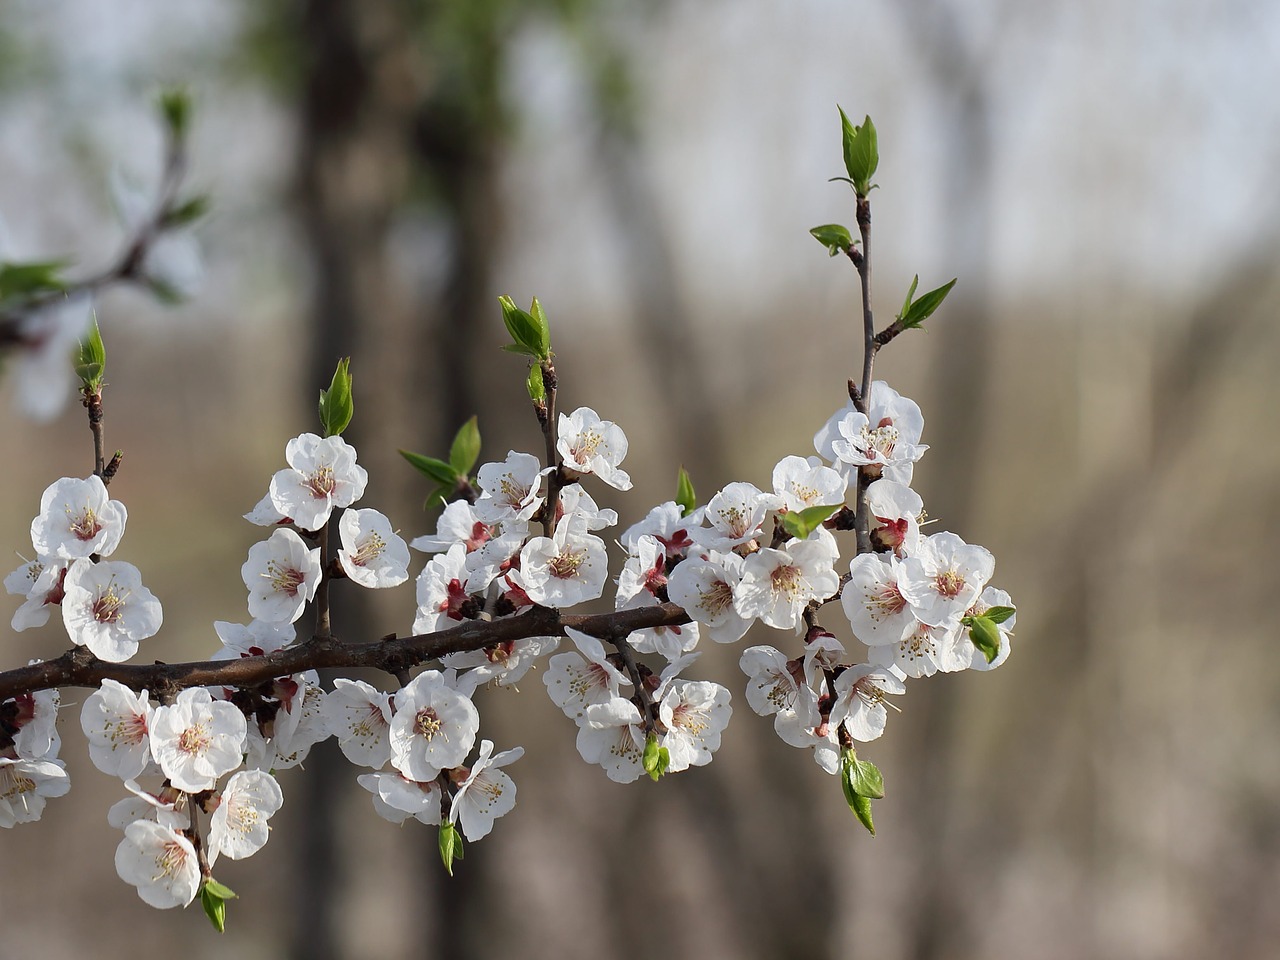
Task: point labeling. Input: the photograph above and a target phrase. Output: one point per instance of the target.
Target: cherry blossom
(860, 699)
(359, 716)
(372, 554)
(735, 515)
(613, 736)
(510, 488)
(705, 589)
(434, 727)
(486, 794)
(238, 827)
(576, 681)
(282, 575)
(322, 474)
(115, 722)
(944, 577)
(777, 584)
(695, 713)
(396, 798)
(873, 601)
(160, 862)
(591, 445)
(107, 609)
(563, 570)
(24, 786)
(77, 519)
(800, 483)
(197, 739)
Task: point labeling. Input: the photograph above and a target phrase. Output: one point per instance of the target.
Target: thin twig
(547, 419)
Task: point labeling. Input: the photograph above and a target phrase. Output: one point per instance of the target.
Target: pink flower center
(321, 482)
(85, 526)
(284, 579)
(564, 566)
(107, 608)
(426, 723)
(195, 739)
(949, 583)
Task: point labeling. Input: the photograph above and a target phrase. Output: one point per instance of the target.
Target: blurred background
(1098, 394)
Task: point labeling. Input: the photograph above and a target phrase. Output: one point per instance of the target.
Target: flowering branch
(392, 654)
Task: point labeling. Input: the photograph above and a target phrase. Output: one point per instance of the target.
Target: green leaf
(544, 328)
(685, 496)
(25, 279)
(165, 293)
(852, 779)
(175, 108)
(999, 614)
(866, 780)
(336, 405)
(439, 497)
(921, 310)
(801, 523)
(450, 845)
(656, 759)
(527, 333)
(92, 360)
(985, 636)
(219, 890)
(535, 385)
(834, 237)
(213, 898)
(861, 152)
(911, 292)
(437, 470)
(861, 808)
(466, 448)
(187, 212)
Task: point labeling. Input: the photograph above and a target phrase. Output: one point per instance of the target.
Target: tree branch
(392, 655)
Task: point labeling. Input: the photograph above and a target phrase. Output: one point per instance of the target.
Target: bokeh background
(1099, 398)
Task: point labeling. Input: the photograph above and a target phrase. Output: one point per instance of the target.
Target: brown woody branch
(393, 655)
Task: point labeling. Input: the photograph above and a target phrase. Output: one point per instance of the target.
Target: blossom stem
(324, 627)
(647, 707)
(193, 834)
(547, 416)
(870, 346)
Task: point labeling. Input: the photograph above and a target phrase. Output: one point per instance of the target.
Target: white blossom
(115, 722)
(322, 474)
(613, 736)
(359, 716)
(575, 681)
(591, 445)
(564, 570)
(282, 575)
(486, 794)
(944, 577)
(873, 600)
(106, 608)
(778, 584)
(197, 739)
(238, 827)
(433, 729)
(800, 483)
(77, 519)
(160, 862)
(372, 554)
(397, 798)
(509, 489)
(705, 589)
(24, 786)
(695, 712)
(860, 700)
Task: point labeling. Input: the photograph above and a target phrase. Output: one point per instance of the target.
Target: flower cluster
(518, 541)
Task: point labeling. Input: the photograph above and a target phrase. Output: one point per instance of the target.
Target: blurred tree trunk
(351, 179)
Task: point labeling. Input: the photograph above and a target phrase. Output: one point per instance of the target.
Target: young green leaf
(922, 309)
(834, 237)
(336, 406)
(861, 152)
(92, 359)
(25, 279)
(450, 845)
(187, 212)
(175, 108)
(866, 780)
(466, 448)
(544, 328)
(535, 385)
(656, 758)
(985, 636)
(437, 470)
(526, 332)
(213, 899)
(685, 495)
(861, 808)
(911, 292)
(999, 614)
(801, 523)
